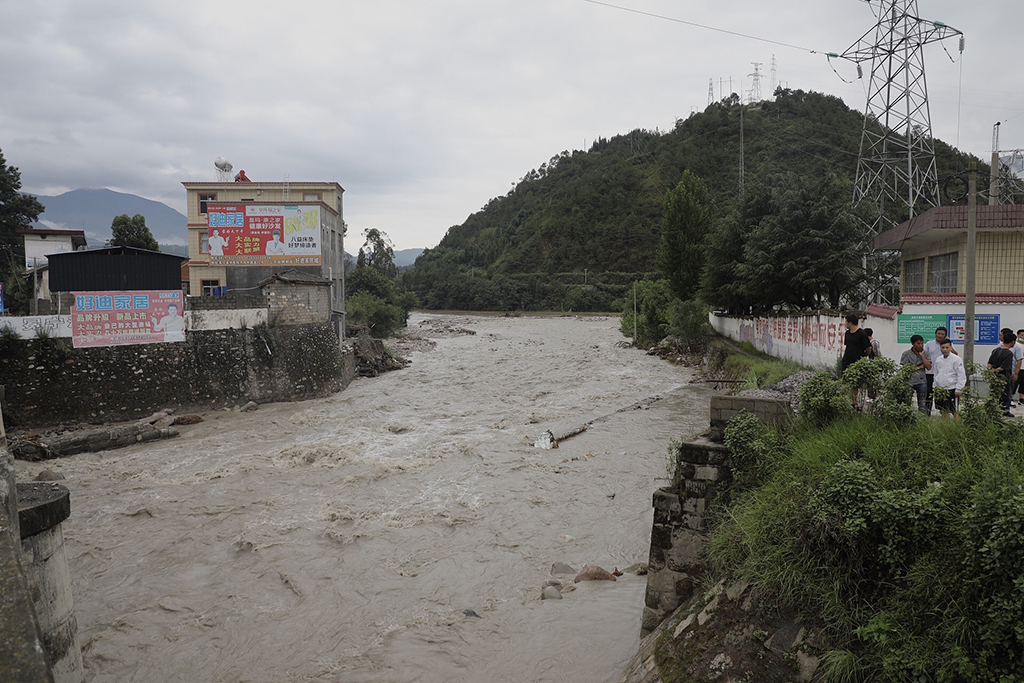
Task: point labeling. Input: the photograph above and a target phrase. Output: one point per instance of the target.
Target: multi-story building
(241, 233)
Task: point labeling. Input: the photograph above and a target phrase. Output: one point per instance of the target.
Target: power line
(704, 26)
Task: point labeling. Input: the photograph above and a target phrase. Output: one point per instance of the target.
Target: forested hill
(600, 211)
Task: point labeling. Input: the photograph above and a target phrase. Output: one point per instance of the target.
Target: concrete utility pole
(972, 249)
(993, 179)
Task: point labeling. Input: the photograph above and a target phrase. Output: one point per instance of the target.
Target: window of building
(203, 198)
(208, 286)
(944, 272)
(204, 244)
(311, 197)
(913, 275)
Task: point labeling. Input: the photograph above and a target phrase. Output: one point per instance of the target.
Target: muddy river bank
(341, 539)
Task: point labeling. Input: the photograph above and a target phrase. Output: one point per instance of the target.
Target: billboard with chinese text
(118, 318)
(263, 235)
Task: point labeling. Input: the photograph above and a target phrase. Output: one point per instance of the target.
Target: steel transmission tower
(896, 172)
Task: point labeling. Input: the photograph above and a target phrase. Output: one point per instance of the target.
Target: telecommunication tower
(711, 91)
(896, 172)
(775, 80)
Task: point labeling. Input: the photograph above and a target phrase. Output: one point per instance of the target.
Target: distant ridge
(94, 210)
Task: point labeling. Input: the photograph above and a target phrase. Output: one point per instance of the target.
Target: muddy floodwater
(341, 539)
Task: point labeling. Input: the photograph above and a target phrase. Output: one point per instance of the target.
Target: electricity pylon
(896, 172)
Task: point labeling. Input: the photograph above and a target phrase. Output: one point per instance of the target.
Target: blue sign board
(986, 328)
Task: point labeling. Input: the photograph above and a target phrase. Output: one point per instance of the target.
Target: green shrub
(907, 544)
(824, 400)
(382, 318)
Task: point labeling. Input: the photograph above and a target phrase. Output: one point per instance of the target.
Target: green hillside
(576, 232)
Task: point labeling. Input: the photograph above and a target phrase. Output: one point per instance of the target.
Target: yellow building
(205, 276)
(933, 253)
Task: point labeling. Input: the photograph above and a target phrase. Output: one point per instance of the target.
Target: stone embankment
(724, 633)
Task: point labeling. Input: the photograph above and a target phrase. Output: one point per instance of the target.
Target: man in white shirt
(217, 243)
(949, 374)
(275, 247)
(933, 349)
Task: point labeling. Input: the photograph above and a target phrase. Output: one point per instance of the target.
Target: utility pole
(741, 150)
(993, 181)
(972, 251)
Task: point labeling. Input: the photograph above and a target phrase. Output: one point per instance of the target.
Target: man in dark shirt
(1002, 361)
(856, 341)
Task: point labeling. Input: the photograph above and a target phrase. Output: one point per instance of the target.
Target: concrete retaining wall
(771, 410)
(46, 568)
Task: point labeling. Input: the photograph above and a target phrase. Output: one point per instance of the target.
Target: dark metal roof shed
(114, 269)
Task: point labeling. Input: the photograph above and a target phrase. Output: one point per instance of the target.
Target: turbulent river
(341, 539)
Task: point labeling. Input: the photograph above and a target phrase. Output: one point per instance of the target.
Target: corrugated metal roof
(114, 269)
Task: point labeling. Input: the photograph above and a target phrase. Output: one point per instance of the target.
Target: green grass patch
(759, 372)
(906, 541)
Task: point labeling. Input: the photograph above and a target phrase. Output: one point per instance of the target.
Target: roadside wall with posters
(48, 381)
(814, 340)
(988, 320)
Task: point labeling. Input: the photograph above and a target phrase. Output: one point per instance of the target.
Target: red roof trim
(880, 311)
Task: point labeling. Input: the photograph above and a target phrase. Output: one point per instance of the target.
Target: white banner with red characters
(263, 234)
(118, 318)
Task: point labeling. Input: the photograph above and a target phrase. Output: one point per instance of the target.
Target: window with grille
(943, 275)
(203, 199)
(913, 275)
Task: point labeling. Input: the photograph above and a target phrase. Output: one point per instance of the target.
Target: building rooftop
(942, 222)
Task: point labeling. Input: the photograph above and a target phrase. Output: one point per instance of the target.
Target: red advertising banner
(263, 234)
(119, 318)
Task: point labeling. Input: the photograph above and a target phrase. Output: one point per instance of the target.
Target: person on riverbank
(876, 347)
(1019, 388)
(856, 341)
(949, 374)
(917, 357)
(1002, 361)
(934, 349)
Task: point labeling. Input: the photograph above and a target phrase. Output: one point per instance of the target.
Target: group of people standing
(938, 365)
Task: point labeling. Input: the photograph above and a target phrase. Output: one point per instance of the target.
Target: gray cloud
(423, 111)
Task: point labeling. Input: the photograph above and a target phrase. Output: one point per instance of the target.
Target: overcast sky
(424, 110)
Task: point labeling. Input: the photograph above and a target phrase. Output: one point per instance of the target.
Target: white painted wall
(60, 325)
(54, 325)
(815, 341)
(223, 320)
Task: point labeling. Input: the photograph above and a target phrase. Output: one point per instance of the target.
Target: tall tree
(17, 211)
(377, 253)
(131, 231)
(808, 251)
(689, 216)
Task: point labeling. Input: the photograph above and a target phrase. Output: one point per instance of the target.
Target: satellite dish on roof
(223, 167)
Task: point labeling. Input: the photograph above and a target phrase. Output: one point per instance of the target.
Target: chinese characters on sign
(118, 318)
(262, 235)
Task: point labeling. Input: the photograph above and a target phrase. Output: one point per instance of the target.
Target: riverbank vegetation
(902, 536)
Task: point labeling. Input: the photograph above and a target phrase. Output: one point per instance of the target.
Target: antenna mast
(775, 80)
(711, 91)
